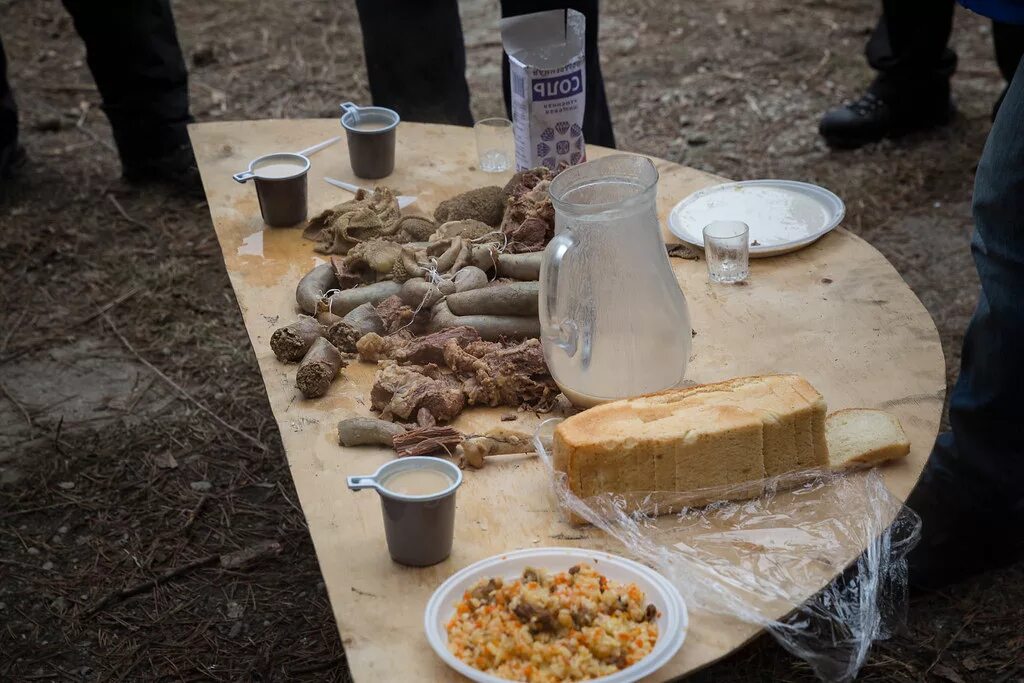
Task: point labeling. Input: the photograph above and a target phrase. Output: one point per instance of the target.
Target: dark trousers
(133, 53)
(416, 60)
(909, 50)
(973, 486)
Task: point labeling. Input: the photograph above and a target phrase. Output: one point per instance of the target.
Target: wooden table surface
(836, 312)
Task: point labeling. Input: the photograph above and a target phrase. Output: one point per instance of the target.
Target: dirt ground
(143, 534)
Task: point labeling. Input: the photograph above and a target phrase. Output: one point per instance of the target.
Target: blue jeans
(981, 461)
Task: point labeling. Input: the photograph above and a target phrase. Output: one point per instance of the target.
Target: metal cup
(419, 529)
(371, 151)
(282, 199)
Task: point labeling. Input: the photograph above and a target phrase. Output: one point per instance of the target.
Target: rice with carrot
(543, 628)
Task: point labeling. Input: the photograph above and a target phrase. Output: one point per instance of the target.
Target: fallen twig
(232, 560)
(106, 307)
(153, 583)
(178, 388)
(120, 209)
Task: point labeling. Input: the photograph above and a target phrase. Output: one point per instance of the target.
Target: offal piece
(484, 204)
(529, 221)
(469, 278)
(430, 348)
(395, 314)
(318, 368)
(291, 342)
(490, 327)
(399, 391)
(427, 441)
(346, 300)
(516, 266)
(313, 286)
(348, 230)
(578, 625)
(514, 298)
(498, 441)
(511, 375)
(373, 347)
(524, 181)
(367, 431)
(419, 293)
(357, 323)
(345, 277)
(414, 229)
(467, 229)
(368, 215)
(373, 259)
(425, 350)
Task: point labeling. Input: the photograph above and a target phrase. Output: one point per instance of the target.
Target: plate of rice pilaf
(547, 615)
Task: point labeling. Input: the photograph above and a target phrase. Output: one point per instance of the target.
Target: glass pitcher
(614, 322)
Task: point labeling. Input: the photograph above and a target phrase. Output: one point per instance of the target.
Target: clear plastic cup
(495, 145)
(727, 251)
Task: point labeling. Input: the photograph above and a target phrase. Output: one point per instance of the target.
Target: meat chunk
(503, 376)
(430, 348)
(400, 391)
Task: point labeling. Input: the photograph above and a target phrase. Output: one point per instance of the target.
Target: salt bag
(548, 78)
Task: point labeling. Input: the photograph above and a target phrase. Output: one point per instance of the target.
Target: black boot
(965, 529)
(874, 117)
(175, 168)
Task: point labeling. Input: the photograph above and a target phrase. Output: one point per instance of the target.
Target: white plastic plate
(783, 215)
(672, 624)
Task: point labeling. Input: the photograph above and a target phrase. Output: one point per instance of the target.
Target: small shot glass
(495, 145)
(727, 251)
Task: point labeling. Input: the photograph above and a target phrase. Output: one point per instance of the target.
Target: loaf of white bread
(714, 435)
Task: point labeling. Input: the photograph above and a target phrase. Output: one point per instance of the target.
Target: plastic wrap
(816, 558)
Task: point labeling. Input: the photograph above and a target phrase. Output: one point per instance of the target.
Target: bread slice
(864, 437)
(711, 435)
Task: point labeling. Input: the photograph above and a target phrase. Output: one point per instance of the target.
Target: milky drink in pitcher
(614, 322)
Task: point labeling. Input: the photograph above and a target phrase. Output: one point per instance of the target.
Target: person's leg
(1008, 40)
(972, 490)
(909, 50)
(11, 154)
(597, 119)
(133, 53)
(416, 59)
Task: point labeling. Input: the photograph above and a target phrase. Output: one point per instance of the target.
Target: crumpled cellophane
(818, 559)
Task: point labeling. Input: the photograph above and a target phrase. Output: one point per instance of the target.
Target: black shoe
(12, 160)
(872, 118)
(176, 169)
(965, 529)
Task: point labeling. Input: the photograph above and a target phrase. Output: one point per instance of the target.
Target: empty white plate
(783, 215)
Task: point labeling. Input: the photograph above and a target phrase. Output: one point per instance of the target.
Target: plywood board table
(836, 313)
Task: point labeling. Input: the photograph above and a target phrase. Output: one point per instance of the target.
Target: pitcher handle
(563, 333)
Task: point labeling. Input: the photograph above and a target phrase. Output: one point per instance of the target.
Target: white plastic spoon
(403, 200)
